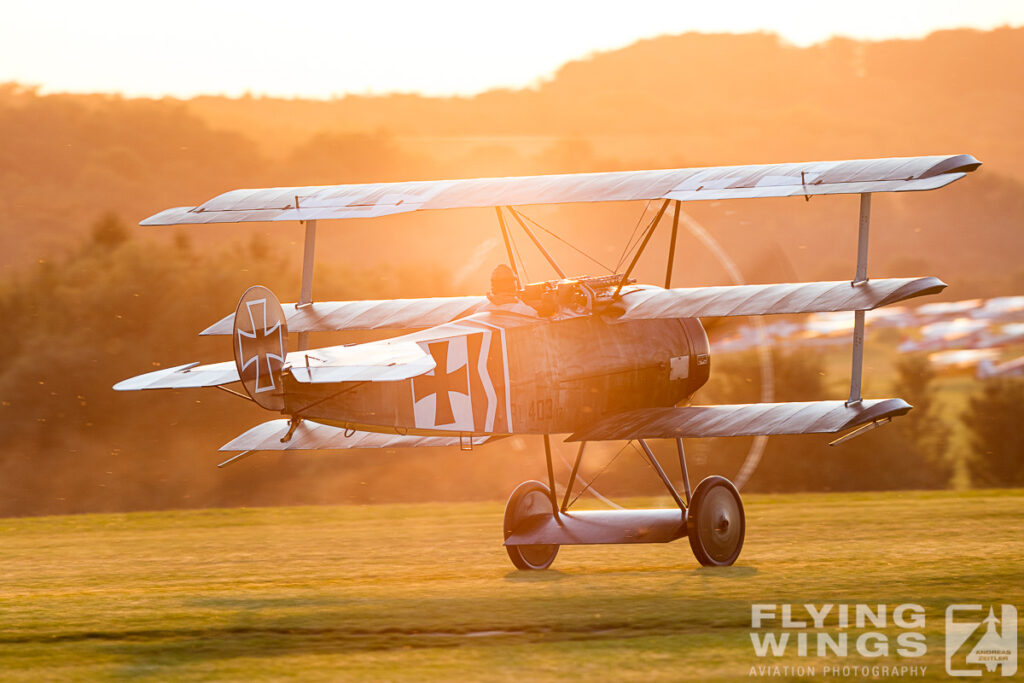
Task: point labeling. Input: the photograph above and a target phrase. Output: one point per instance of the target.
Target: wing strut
(551, 476)
(860, 279)
(661, 475)
(672, 245)
(508, 243)
(306, 295)
(572, 476)
(682, 467)
(536, 242)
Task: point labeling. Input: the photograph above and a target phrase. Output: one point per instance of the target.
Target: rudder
(260, 338)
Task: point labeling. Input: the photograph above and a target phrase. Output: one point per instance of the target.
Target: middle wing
(639, 302)
(800, 297)
(392, 314)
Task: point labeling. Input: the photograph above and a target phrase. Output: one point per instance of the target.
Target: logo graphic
(260, 346)
(445, 381)
(976, 643)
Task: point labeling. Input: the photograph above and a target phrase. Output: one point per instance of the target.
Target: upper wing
(801, 297)
(813, 417)
(396, 314)
(313, 436)
(685, 184)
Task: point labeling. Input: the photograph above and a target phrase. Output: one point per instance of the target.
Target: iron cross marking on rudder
(257, 346)
(441, 383)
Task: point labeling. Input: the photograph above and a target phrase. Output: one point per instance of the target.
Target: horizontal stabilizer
(813, 417)
(395, 314)
(188, 376)
(685, 184)
(799, 297)
(382, 361)
(313, 436)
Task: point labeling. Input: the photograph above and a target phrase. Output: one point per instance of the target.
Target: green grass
(415, 592)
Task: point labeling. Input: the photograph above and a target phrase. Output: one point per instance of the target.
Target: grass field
(426, 592)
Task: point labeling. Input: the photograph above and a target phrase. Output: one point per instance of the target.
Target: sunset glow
(324, 49)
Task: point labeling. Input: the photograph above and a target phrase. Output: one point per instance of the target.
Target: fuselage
(499, 372)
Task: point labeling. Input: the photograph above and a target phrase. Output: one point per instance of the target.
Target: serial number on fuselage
(536, 410)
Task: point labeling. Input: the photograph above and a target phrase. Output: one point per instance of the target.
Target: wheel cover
(535, 503)
(720, 524)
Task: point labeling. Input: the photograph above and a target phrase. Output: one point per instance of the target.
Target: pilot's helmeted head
(504, 281)
(504, 285)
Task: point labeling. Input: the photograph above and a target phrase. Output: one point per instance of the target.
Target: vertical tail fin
(260, 338)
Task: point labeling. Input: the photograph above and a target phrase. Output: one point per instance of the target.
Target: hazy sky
(322, 48)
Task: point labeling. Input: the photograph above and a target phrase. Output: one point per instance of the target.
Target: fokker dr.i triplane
(596, 358)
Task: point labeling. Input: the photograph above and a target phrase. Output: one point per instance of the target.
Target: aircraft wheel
(529, 499)
(716, 524)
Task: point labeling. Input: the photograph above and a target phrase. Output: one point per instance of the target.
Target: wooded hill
(673, 101)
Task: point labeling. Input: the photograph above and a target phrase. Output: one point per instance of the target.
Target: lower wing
(274, 436)
(812, 417)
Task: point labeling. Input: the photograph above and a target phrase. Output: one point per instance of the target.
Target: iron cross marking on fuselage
(256, 347)
(440, 383)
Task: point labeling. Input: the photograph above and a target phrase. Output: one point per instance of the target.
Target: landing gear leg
(551, 476)
(715, 523)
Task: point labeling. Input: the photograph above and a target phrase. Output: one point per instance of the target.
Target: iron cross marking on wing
(261, 345)
(441, 383)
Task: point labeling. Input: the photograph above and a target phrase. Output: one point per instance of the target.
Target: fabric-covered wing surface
(382, 361)
(812, 417)
(800, 297)
(373, 362)
(313, 436)
(188, 376)
(685, 184)
(395, 314)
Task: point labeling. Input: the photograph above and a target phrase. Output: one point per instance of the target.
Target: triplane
(598, 358)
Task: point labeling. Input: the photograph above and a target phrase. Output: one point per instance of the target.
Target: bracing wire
(645, 235)
(630, 243)
(519, 257)
(562, 240)
(643, 456)
(588, 485)
(597, 476)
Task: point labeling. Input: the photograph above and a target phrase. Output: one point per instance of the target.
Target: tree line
(117, 305)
